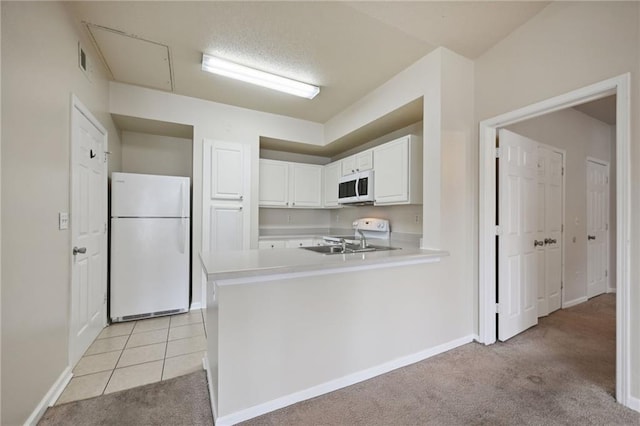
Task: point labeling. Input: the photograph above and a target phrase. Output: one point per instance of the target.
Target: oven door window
(347, 189)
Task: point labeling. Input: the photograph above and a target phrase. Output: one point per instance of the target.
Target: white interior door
(597, 227)
(517, 218)
(88, 230)
(550, 227)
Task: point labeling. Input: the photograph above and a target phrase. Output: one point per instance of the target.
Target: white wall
(156, 155)
(39, 74)
(569, 45)
(581, 136)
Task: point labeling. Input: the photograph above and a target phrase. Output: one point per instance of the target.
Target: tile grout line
(121, 353)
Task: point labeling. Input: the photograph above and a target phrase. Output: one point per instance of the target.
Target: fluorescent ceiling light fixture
(261, 78)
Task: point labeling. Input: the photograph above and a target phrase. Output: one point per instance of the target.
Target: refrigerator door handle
(184, 232)
(183, 199)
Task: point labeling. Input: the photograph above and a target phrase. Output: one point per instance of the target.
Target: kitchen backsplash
(402, 218)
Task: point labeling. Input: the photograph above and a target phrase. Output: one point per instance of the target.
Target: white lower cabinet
(299, 243)
(289, 243)
(271, 244)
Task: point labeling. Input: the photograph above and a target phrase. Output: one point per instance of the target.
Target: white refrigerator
(149, 246)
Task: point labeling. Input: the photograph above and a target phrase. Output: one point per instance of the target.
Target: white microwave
(356, 188)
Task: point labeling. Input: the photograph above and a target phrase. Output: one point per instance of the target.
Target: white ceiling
(347, 48)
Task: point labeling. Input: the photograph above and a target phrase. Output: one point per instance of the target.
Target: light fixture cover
(225, 68)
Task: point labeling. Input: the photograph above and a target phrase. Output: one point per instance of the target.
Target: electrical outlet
(63, 220)
(418, 218)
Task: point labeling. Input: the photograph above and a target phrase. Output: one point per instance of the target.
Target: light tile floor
(136, 353)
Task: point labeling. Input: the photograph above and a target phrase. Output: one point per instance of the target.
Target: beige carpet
(561, 372)
(180, 401)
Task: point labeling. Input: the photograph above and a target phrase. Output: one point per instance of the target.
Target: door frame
(608, 167)
(620, 86)
(76, 104)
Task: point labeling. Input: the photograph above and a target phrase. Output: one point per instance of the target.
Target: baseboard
(195, 306)
(475, 338)
(633, 403)
(611, 290)
(50, 397)
(213, 397)
(332, 385)
(574, 302)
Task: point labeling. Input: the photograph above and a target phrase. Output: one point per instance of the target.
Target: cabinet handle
(537, 243)
(591, 237)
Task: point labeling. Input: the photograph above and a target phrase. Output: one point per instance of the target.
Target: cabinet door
(364, 161)
(332, 174)
(227, 174)
(391, 180)
(306, 242)
(271, 244)
(274, 188)
(348, 165)
(358, 162)
(306, 185)
(228, 223)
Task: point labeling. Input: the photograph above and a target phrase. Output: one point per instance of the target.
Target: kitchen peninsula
(285, 325)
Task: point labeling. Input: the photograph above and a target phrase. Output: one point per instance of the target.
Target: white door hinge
(606, 273)
(563, 171)
(498, 152)
(562, 228)
(497, 308)
(497, 229)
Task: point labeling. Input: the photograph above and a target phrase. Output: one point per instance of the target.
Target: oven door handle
(358, 187)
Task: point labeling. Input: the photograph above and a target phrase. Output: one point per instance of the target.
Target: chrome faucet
(343, 242)
(363, 239)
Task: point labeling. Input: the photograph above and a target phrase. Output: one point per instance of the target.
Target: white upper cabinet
(274, 183)
(305, 185)
(398, 172)
(358, 162)
(332, 173)
(226, 168)
(285, 184)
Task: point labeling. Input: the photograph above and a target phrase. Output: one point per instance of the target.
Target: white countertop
(243, 264)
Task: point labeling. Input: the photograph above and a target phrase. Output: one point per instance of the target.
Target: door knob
(591, 237)
(537, 243)
(81, 250)
(550, 241)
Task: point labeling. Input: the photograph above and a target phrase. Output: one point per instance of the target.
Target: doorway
(487, 250)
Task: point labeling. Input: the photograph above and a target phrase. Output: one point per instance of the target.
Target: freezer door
(137, 195)
(149, 266)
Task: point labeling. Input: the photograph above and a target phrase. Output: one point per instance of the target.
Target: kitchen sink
(337, 249)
